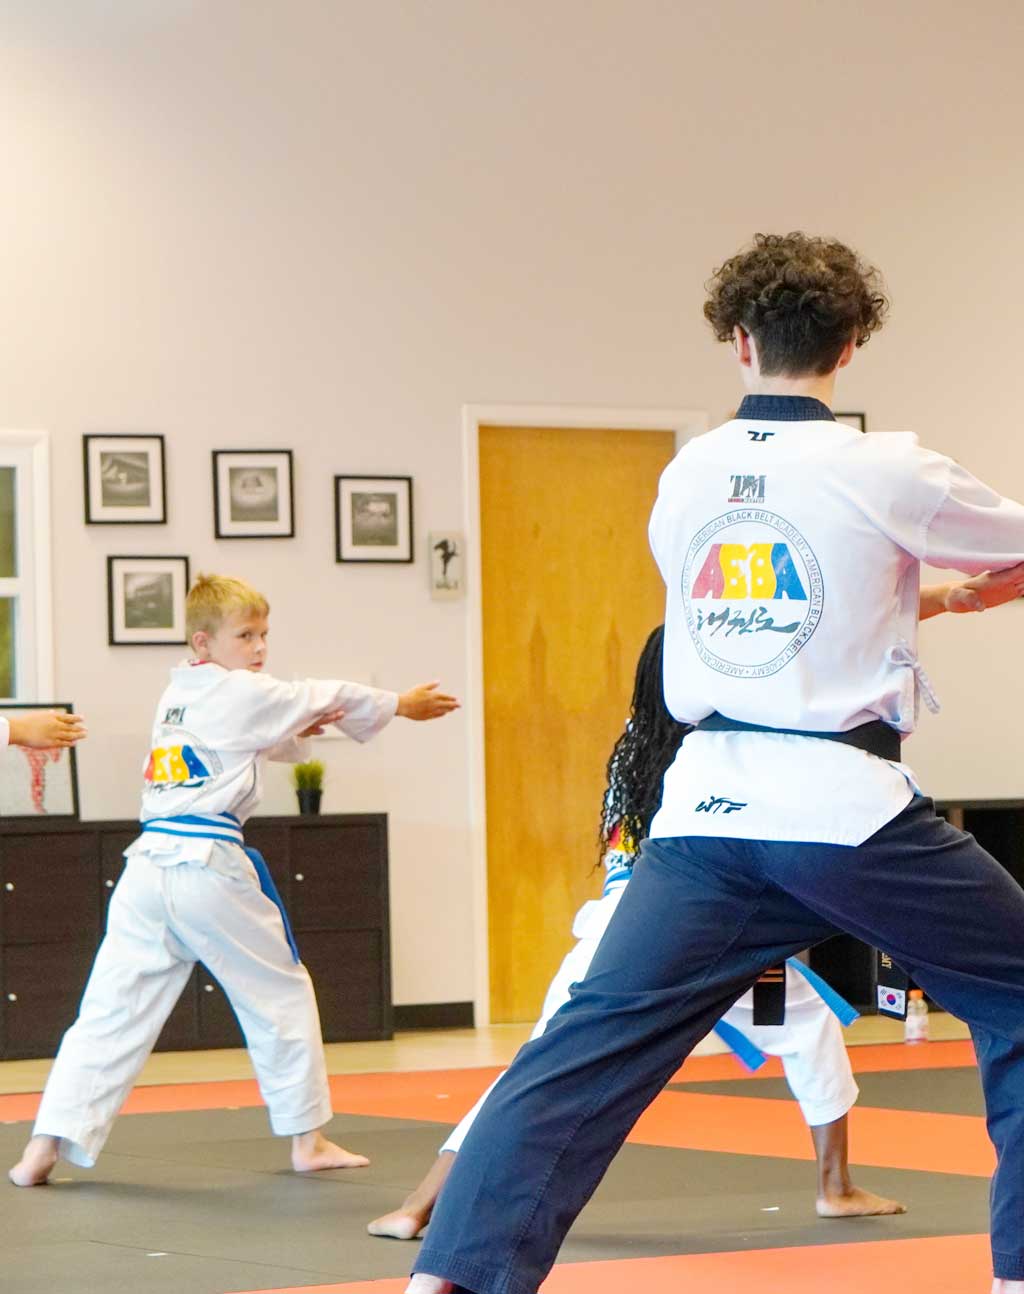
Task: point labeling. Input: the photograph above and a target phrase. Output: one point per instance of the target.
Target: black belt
(876, 737)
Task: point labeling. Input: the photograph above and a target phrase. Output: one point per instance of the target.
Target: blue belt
(225, 826)
(752, 1056)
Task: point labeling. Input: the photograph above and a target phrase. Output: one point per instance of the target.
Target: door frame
(684, 424)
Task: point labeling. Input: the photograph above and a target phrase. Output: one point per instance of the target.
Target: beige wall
(326, 226)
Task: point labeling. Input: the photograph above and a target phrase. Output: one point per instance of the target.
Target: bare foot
(400, 1225)
(313, 1153)
(421, 1283)
(855, 1203)
(36, 1163)
(407, 1222)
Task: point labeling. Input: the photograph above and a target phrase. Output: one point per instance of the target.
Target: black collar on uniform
(784, 408)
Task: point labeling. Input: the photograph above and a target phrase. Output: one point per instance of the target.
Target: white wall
(326, 226)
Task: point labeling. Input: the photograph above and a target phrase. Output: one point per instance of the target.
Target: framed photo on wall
(146, 601)
(38, 783)
(446, 551)
(373, 519)
(858, 420)
(253, 494)
(125, 480)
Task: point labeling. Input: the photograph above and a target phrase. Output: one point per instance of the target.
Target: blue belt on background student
(225, 826)
(737, 1041)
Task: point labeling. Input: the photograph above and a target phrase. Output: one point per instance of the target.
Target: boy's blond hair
(212, 597)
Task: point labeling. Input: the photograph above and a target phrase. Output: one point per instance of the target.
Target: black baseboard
(434, 1015)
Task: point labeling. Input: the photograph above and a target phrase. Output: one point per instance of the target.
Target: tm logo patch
(747, 489)
(760, 436)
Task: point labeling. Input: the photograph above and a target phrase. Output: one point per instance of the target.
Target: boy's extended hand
(45, 729)
(425, 702)
(989, 590)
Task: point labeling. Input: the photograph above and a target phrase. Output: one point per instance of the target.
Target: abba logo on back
(752, 593)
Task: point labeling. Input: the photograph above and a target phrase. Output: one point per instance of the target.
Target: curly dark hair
(801, 299)
(641, 756)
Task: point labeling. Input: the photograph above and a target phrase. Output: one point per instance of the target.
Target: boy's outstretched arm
(43, 729)
(981, 593)
(425, 702)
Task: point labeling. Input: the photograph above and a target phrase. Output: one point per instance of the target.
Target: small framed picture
(38, 783)
(253, 494)
(858, 420)
(373, 518)
(446, 551)
(146, 601)
(125, 483)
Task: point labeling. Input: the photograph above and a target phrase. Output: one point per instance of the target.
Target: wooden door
(570, 593)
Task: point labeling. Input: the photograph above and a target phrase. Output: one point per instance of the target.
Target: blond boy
(192, 892)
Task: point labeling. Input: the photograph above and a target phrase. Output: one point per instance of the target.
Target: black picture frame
(351, 546)
(226, 526)
(859, 420)
(119, 632)
(123, 512)
(6, 708)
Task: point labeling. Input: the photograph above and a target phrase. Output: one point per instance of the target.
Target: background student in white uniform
(791, 632)
(191, 891)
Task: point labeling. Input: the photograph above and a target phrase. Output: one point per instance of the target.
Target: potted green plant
(309, 785)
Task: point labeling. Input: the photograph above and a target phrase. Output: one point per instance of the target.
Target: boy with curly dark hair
(791, 547)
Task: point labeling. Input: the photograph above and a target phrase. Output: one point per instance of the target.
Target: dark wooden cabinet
(56, 879)
(997, 825)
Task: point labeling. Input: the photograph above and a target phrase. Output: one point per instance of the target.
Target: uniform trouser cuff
(476, 1279)
(1008, 1267)
(314, 1117)
(83, 1154)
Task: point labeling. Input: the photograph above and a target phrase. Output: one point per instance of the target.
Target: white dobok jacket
(790, 545)
(215, 728)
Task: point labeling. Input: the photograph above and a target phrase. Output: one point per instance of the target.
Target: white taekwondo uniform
(187, 897)
(809, 1041)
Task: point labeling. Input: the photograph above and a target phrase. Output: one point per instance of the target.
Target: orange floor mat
(937, 1265)
(740, 1125)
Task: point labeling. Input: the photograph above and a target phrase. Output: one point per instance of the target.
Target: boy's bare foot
(855, 1203)
(37, 1162)
(407, 1222)
(313, 1153)
(421, 1283)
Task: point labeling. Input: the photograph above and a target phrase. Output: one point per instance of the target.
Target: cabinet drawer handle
(299, 876)
(207, 988)
(109, 884)
(12, 997)
(9, 887)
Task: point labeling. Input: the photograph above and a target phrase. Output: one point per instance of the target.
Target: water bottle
(916, 1027)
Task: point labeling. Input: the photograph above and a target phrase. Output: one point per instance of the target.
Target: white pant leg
(574, 967)
(231, 926)
(810, 1044)
(138, 975)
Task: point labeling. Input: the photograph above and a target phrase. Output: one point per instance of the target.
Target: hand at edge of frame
(46, 729)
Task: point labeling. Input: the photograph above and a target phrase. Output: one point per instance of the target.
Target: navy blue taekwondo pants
(699, 921)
